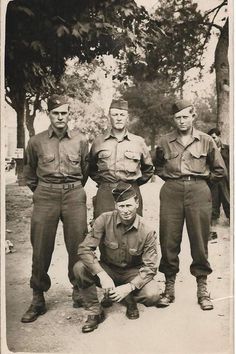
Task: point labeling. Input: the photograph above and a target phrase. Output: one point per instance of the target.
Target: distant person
(220, 191)
(186, 159)
(56, 169)
(128, 259)
(118, 155)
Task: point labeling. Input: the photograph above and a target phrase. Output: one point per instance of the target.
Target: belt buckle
(68, 186)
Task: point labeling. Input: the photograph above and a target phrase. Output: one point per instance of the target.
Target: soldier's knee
(78, 269)
(151, 293)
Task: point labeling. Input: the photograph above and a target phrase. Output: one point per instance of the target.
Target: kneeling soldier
(128, 259)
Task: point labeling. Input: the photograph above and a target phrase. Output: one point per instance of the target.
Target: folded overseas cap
(179, 105)
(119, 104)
(123, 191)
(55, 101)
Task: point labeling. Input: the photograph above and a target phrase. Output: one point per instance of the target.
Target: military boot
(202, 294)
(36, 308)
(168, 296)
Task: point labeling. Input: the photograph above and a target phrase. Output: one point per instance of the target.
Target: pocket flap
(110, 244)
(73, 158)
(171, 155)
(197, 154)
(48, 158)
(132, 155)
(104, 154)
(134, 251)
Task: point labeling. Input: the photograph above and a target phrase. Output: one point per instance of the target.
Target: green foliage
(149, 109)
(42, 34)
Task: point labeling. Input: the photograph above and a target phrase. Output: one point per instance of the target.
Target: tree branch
(224, 3)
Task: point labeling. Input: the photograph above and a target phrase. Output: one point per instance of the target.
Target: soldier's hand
(120, 292)
(105, 281)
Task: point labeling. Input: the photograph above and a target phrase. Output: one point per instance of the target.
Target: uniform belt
(114, 184)
(70, 185)
(190, 178)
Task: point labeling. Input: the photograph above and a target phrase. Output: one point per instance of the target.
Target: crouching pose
(128, 257)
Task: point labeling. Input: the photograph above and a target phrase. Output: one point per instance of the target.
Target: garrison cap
(55, 101)
(179, 105)
(119, 104)
(123, 191)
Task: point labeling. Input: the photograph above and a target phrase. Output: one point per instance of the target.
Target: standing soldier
(56, 170)
(220, 191)
(186, 159)
(117, 156)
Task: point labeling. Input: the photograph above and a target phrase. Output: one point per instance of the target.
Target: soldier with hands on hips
(128, 257)
(117, 156)
(186, 159)
(56, 169)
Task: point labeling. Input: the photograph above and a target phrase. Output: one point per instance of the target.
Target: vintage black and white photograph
(116, 170)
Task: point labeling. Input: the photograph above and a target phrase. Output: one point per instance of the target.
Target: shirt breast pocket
(132, 161)
(47, 163)
(111, 250)
(74, 163)
(104, 160)
(172, 159)
(197, 162)
(136, 256)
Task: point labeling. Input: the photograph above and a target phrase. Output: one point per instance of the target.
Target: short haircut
(214, 131)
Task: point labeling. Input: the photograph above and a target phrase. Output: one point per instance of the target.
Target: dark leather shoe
(106, 302)
(33, 312)
(78, 303)
(165, 300)
(132, 311)
(92, 322)
(205, 303)
(213, 235)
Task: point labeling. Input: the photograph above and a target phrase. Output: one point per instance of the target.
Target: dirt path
(180, 329)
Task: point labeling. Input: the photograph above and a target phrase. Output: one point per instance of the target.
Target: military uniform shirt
(127, 160)
(53, 160)
(120, 246)
(200, 157)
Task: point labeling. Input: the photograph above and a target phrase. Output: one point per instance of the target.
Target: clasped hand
(115, 293)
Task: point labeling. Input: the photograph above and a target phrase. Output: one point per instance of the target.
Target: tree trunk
(29, 119)
(222, 83)
(20, 112)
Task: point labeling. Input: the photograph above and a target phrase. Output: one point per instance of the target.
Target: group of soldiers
(57, 165)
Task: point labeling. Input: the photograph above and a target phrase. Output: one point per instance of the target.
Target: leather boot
(168, 296)
(92, 322)
(77, 298)
(36, 308)
(132, 312)
(202, 294)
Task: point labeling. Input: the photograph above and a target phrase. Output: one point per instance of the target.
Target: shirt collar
(135, 223)
(174, 135)
(109, 134)
(51, 132)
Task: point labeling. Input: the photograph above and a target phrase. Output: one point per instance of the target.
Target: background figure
(220, 191)
(56, 170)
(128, 259)
(186, 158)
(117, 156)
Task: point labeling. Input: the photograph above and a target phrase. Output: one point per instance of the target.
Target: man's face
(127, 209)
(118, 118)
(184, 119)
(59, 116)
(217, 139)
